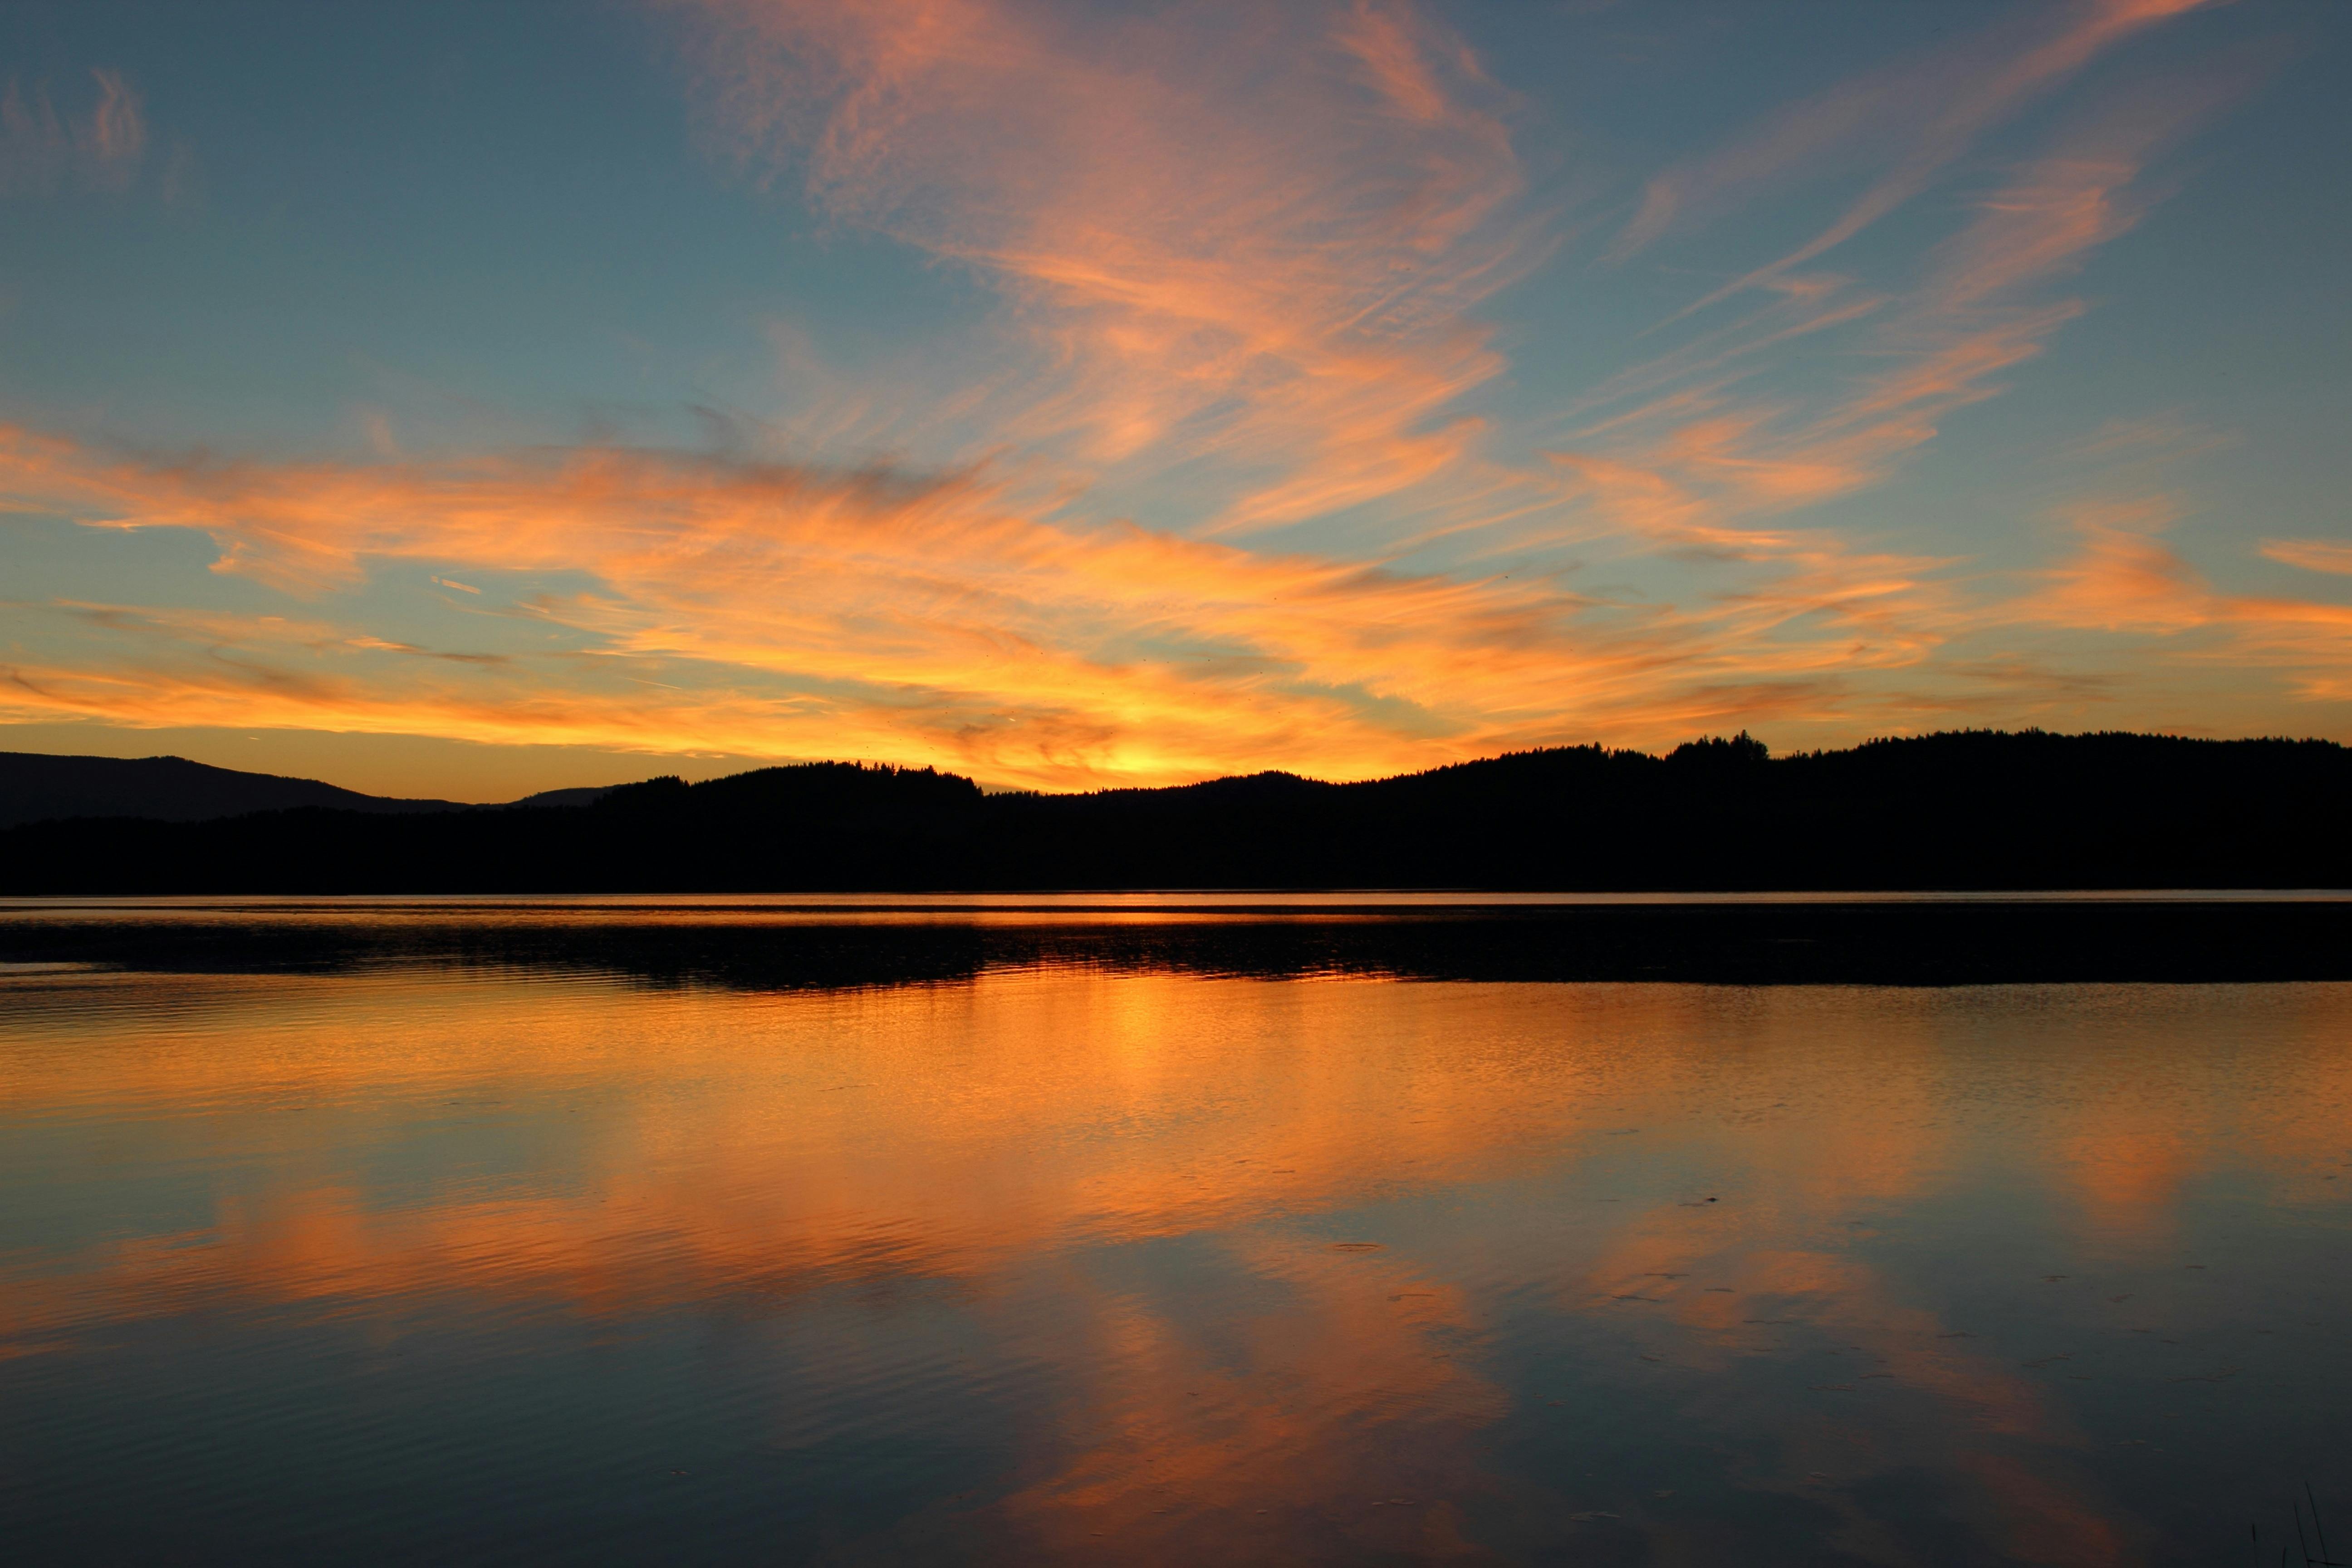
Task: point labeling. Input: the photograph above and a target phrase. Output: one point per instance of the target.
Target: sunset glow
(1070, 395)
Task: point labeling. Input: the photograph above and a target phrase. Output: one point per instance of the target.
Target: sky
(468, 399)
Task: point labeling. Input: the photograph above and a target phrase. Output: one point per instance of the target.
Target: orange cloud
(1698, 466)
(1254, 299)
(2124, 578)
(1208, 266)
(1970, 319)
(700, 605)
(2310, 554)
(1918, 118)
(795, 612)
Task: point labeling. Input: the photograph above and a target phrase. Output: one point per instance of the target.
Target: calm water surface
(424, 1263)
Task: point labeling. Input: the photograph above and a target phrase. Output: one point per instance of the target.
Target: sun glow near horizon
(1073, 397)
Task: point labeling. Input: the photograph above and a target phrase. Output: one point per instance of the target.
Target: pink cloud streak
(1210, 263)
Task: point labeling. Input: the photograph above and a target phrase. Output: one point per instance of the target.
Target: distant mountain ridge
(1976, 809)
(38, 787)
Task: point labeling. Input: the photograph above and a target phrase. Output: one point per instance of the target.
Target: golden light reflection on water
(1267, 1270)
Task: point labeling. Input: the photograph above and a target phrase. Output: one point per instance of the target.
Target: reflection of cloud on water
(1337, 1419)
(1759, 1324)
(1137, 1215)
(711, 1144)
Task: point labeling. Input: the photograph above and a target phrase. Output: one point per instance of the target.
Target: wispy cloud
(1239, 262)
(1696, 451)
(2312, 554)
(42, 150)
(815, 613)
(2125, 576)
(1909, 122)
(1246, 237)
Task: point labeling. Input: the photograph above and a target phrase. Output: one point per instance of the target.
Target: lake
(498, 1232)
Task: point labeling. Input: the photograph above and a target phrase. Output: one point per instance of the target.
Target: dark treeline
(1973, 810)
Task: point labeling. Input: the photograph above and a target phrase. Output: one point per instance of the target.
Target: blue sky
(467, 399)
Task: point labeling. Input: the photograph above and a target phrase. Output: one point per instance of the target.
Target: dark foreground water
(337, 1250)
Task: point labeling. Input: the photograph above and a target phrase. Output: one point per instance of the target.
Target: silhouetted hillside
(1974, 810)
(35, 788)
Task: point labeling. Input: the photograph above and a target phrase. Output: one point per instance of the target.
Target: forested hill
(1971, 810)
(39, 787)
